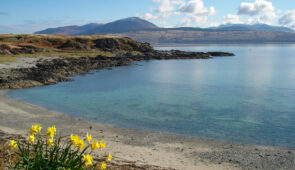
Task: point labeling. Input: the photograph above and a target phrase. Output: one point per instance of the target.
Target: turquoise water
(249, 98)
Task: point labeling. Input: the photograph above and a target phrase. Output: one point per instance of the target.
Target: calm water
(249, 98)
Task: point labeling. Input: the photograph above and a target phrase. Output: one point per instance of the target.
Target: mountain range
(143, 30)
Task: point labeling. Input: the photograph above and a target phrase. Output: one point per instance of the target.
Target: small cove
(249, 98)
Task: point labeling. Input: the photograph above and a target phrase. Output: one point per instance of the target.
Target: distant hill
(123, 25)
(142, 30)
(255, 27)
(70, 30)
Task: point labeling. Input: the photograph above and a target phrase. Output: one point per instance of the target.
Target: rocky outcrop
(57, 70)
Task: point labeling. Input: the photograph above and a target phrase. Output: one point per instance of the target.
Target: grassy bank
(14, 46)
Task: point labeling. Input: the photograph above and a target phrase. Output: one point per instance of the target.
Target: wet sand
(146, 148)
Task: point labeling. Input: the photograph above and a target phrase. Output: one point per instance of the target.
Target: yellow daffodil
(81, 144)
(50, 142)
(110, 157)
(87, 159)
(35, 129)
(72, 137)
(94, 145)
(76, 142)
(97, 145)
(103, 165)
(39, 127)
(51, 131)
(102, 145)
(32, 139)
(13, 144)
(75, 139)
(88, 137)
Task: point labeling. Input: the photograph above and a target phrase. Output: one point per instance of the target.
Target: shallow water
(249, 98)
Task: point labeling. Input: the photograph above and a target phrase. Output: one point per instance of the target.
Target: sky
(28, 16)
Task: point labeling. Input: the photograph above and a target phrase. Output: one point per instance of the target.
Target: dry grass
(4, 149)
(50, 45)
(7, 59)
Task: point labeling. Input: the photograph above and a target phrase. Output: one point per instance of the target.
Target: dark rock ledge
(60, 69)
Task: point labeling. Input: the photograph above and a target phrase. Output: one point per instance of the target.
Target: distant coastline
(212, 43)
(145, 31)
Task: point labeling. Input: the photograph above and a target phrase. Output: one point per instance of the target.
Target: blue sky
(27, 16)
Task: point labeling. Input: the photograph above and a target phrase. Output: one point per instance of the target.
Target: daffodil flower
(81, 144)
(35, 129)
(50, 142)
(94, 145)
(51, 131)
(110, 157)
(103, 165)
(87, 159)
(75, 139)
(32, 139)
(102, 145)
(13, 144)
(88, 137)
(39, 127)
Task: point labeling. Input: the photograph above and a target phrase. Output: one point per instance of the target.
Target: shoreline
(147, 148)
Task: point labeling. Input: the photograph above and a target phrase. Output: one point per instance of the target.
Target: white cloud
(165, 9)
(255, 8)
(196, 13)
(165, 6)
(262, 11)
(196, 7)
(231, 19)
(149, 16)
(288, 19)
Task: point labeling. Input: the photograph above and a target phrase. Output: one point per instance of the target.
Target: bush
(48, 153)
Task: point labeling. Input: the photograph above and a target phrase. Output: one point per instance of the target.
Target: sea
(248, 98)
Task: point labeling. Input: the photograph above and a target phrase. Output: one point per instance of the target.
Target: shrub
(5, 47)
(47, 152)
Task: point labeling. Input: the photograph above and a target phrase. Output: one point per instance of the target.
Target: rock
(5, 51)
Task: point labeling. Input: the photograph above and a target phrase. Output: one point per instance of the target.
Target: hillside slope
(70, 30)
(179, 36)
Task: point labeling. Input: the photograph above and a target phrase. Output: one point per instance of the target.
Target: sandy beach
(146, 148)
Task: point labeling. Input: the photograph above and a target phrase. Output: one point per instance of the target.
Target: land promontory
(48, 59)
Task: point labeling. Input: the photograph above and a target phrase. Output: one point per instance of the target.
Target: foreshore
(147, 149)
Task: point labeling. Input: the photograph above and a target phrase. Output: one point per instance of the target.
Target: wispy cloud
(288, 19)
